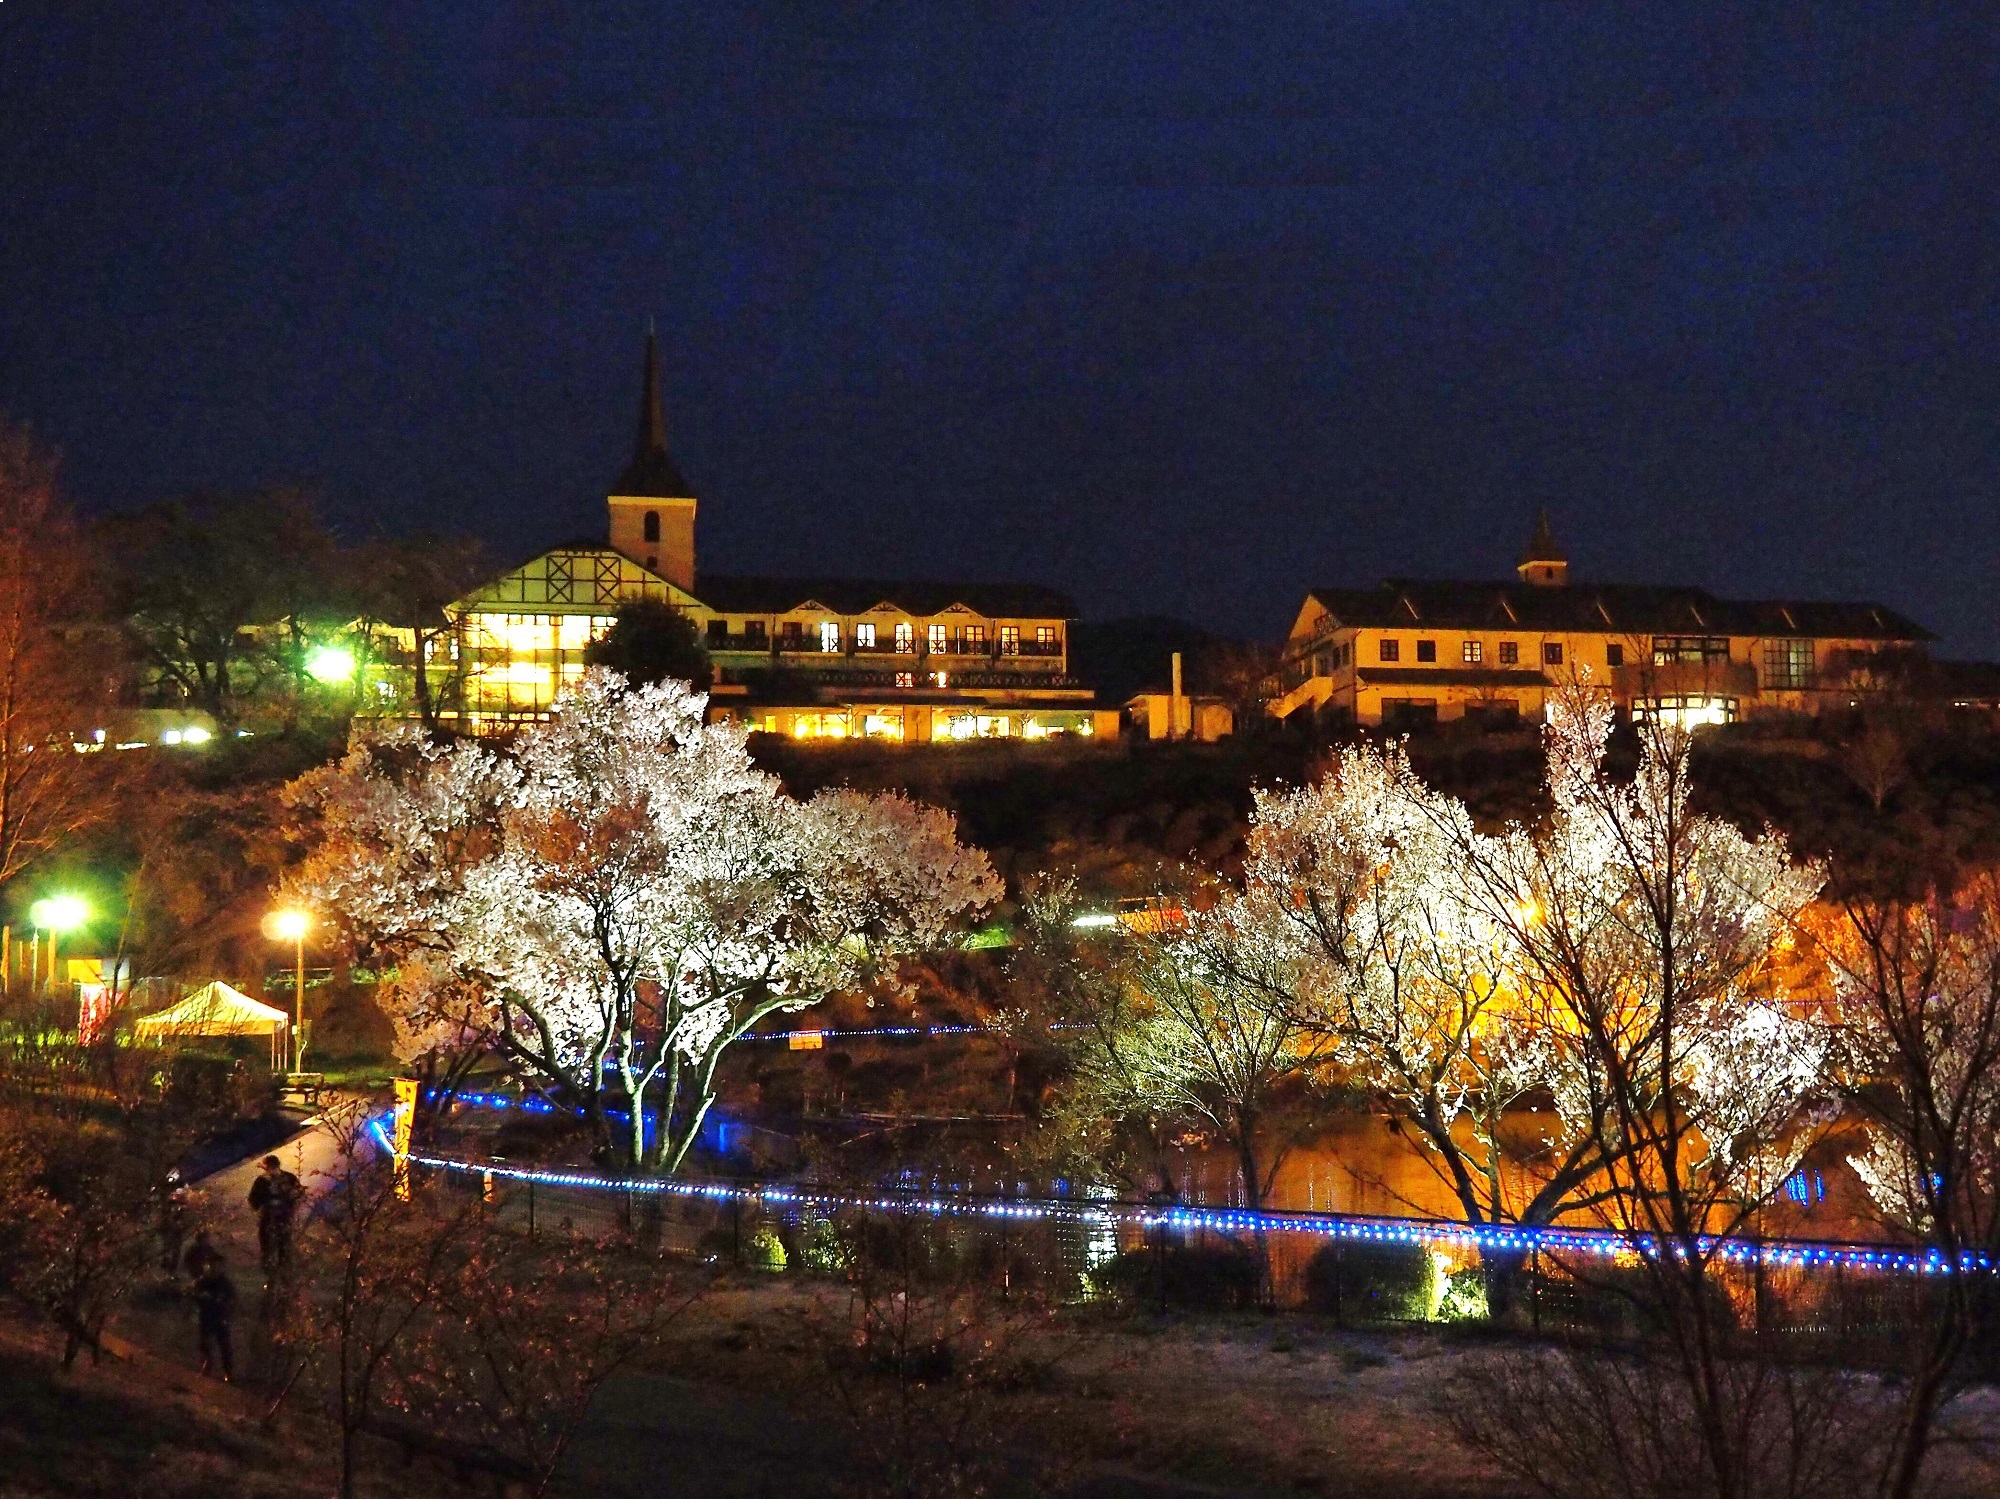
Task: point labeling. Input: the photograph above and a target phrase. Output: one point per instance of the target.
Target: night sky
(1181, 307)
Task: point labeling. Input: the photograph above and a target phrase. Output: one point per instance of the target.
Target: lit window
(943, 679)
(1392, 650)
(1552, 653)
(1471, 651)
(934, 638)
(1510, 653)
(864, 638)
(820, 726)
(1045, 637)
(975, 640)
(1689, 648)
(906, 638)
(1686, 711)
(1010, 640)
(1788, 664)
(882, 726)
(829, 636)
(1427, 650)
(906, 679)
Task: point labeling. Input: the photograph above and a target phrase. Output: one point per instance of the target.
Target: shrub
(1208, 1276)
(1373, 1281)
(757, 1247)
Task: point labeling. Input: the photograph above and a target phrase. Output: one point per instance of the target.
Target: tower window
(1471, 652)
(1392, 650)
(1427, 650)
(1614, 654)
(1510, 653)
(1552, 653)
(652, 526)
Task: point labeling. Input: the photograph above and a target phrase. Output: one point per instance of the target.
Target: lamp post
(57, 915)
(294, 925)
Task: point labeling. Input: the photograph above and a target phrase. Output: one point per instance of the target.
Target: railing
(1562, 1279)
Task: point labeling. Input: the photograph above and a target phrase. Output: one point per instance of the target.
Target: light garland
(1367, 1228)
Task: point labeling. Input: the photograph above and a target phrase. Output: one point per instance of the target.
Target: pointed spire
(1544, 563)
(1542, 546)
(652, 471)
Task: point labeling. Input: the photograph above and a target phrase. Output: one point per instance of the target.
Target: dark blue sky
(1181, 307)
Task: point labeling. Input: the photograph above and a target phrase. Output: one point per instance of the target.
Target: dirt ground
(738, 1402)
(1217, 1404)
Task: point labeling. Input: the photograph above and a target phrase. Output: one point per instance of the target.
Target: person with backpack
(274, 1197)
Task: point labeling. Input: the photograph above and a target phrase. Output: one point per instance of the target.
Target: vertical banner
(405, 1127)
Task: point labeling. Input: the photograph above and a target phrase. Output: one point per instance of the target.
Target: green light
(60, 913)
(331, 664)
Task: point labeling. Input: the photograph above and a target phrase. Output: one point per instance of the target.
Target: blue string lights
(1109, 1213)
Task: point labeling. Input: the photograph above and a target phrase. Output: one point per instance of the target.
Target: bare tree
(1918, 984)
(48, 641)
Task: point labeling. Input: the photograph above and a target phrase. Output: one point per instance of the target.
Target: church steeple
(652, 509)
(1544, 563)
(652, 471)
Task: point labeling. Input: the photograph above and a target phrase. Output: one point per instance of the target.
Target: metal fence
(1354, 1268)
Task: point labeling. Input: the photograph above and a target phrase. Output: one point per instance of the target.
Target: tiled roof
(727, 594)
(1635, 609)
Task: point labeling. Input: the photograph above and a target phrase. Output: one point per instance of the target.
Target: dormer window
(652, 532)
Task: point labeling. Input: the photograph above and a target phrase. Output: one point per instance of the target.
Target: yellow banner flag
(404, 1132)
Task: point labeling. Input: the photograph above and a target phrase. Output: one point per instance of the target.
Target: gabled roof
(751, 595)
(1617, 609)
(573, 578)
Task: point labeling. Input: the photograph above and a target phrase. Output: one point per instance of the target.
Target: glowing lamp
(331, 664)
(290, 925)
(60, 913)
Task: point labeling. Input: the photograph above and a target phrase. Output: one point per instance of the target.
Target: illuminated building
(1411, 652)
(810, 658)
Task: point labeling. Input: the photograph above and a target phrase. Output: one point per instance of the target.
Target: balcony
(1716, 677)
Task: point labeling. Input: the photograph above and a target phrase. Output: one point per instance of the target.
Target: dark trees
(221, 591)
(651, 642)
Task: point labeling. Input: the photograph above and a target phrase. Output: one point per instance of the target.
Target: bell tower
(652, 508)
(1544, 564)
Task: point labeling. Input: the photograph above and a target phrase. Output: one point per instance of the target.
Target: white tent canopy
(214, 1010)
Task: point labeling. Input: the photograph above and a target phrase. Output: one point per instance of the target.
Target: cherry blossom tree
(1400, 965)
(627, 893)
(1649, 932)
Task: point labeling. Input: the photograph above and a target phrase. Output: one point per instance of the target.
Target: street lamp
(55, 916)
(293, 925)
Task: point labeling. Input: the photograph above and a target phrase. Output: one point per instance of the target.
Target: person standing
(200, 1255)
(275, 1198)
(215, 1306)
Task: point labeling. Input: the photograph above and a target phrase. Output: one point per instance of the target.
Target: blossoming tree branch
(622, 894)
